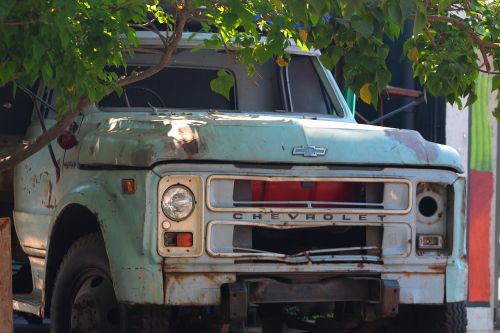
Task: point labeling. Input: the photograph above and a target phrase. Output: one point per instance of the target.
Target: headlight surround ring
(178, 202)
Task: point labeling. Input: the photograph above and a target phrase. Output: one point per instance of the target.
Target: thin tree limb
(17, 154)
(490, 72)
(481, 44)
(432, 40)
(175, 39)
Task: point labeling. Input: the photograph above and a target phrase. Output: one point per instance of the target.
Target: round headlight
(177, 202)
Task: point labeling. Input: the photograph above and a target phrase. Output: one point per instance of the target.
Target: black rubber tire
(148, 319)
(446, 318)
(89, 254)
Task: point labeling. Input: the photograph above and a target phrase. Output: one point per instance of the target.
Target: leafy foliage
(69, 44)
(223, 83)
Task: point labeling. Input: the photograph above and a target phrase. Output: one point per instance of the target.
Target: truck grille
(296, 243)
(286, 194)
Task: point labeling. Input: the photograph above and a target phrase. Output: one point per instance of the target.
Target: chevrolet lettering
(308, 217)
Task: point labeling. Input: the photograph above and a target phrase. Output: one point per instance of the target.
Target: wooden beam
(5, 277)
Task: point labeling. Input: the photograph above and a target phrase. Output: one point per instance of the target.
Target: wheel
(84, 299)
(446, 318)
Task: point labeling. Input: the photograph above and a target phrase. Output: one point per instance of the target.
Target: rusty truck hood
(145, 140)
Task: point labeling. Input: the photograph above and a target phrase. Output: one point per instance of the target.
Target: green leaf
(363, 26)
(191, 36)
(471, 99)
(496, 112)
(317, 6)
(443, 5)
(378, 14)
(7, 70)
(394, 12)
(383, 77)
(419, 23)
(331, 57)
(223, 83)
(495, 83)
(47, 71)
(407, 8)
(298, 10)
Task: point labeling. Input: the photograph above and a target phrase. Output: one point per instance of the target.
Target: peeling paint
(423, 149)
(143, 140)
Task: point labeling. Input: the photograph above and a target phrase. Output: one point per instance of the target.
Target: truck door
(35, 182)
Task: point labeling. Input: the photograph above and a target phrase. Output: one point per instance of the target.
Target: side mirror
(67, 140)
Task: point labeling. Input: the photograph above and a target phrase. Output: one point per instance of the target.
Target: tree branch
(14, 156)
(481, 44)
(490, 72)
(428, 34)
(175, 39)
(18, 154)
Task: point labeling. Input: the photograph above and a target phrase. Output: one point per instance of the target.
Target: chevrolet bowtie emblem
(309, 151)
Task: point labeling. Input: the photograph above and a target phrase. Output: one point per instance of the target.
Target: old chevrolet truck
(172, 206)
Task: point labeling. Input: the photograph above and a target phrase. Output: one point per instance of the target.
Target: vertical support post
(5, 277)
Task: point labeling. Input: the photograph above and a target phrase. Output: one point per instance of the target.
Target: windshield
(179, 88)
(301, 87)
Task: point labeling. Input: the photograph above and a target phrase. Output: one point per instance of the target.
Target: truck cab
(174, 204)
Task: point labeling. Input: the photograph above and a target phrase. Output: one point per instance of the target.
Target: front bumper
(425, 284)
(382, 294)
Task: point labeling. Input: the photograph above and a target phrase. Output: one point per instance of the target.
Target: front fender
(128, 226)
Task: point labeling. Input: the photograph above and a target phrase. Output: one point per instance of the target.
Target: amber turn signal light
(128, 186)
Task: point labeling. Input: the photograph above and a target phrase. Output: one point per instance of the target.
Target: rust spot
(190, 148)
(464, 204)
(423, 149)
(437, 268)
(432, 187)
(186, 138)
(49, 194)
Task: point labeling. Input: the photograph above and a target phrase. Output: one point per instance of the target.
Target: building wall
(473, 133)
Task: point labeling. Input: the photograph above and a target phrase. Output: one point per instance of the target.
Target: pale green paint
(142, 140)
(127, 223)
(456, 269)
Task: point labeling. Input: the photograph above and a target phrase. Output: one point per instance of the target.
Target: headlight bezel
(165, 210)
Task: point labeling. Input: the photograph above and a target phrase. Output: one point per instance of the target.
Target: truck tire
(446, 318)
(84, 299)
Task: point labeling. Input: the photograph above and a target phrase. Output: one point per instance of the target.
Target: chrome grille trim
(309, 209)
